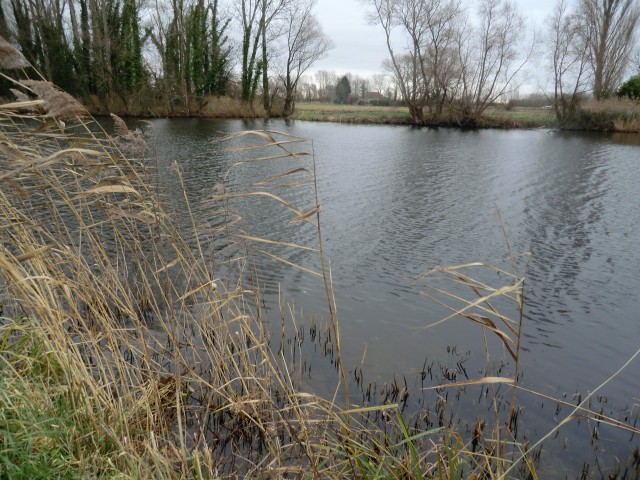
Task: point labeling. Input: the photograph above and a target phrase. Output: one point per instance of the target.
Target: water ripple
(398, 201)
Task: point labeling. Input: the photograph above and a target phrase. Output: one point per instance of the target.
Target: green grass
(531, 116)
(44, 433)
(518, 117)
(315, 111)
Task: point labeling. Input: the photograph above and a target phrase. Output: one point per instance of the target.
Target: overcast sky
(360, 48)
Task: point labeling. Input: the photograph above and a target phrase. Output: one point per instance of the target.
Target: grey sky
(360, 48)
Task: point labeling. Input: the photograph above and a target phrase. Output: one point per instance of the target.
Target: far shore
(614, 115)
(494, 117)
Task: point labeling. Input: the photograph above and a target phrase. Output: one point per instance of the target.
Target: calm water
(398, 201)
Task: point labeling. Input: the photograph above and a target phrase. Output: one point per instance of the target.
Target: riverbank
(209, 106)
(613, 115)
(517, 117)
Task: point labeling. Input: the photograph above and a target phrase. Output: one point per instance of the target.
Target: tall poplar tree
(131, 74)
(197, 46)
(611, 27)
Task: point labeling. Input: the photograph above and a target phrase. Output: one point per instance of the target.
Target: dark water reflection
(398, 201)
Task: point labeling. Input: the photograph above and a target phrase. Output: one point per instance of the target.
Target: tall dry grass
(613, 114)
(122, 340)
(170, 364)
(229, 107)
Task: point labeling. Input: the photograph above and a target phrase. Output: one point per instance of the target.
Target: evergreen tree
(172, 58)
(86, 75)
(630, 88)
(4, 27)
(24, 35)
(58, 63)
(218, 74)
(131, 74)
(41, 35)
(208, 54)
(197, 47)
(343, 90)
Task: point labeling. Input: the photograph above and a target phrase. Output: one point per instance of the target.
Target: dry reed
(10, 57)
(170, 359)
(162, 363)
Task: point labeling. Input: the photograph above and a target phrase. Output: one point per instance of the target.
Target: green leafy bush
(630, 88)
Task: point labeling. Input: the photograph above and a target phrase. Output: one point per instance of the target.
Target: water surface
(398, 201)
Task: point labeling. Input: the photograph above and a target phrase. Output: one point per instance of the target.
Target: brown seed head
(10, 56)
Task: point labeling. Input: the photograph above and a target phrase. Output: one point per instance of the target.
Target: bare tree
(611, 27)
(490, 58)
(442, 29)
(411, 87)
(407, 68)
(363, 89)
(305, 44)
(358, 85)
(307, 88)
(568, 48)
(422, 70)
(101, 47)
(326, 81)
(635, 59)
(380, 82)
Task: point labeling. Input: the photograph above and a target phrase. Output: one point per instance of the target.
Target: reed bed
(133, 343)
(613, 114)
(123, 351)
(166, 369)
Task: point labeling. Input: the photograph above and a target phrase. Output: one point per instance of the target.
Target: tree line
(591, 46)
(168, 52)
(328, 86)
(447, 61)
(450, 64)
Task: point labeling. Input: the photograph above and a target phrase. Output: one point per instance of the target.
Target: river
(397, 201)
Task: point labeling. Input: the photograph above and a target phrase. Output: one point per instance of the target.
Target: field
(494, 116)
(535, 116)
(329, 112)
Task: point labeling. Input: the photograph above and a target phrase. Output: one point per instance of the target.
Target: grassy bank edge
(607, 116)
(601, 117)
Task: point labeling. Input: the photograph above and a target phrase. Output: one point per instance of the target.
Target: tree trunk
(266, 99)
(289, 104)
(417, 113)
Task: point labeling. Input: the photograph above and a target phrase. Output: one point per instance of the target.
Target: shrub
(630, 88)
